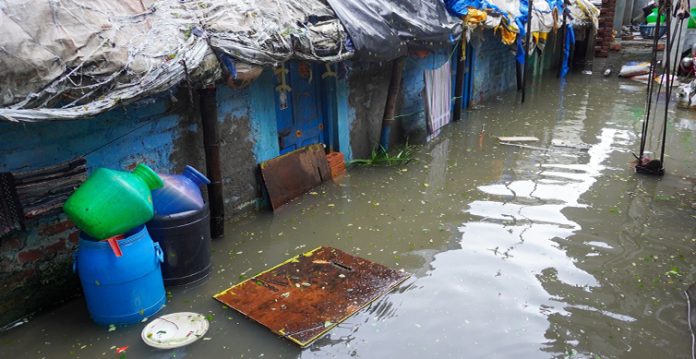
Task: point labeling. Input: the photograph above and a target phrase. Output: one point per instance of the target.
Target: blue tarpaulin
(569, 40)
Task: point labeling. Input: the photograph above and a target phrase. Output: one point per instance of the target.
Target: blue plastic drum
(121, 290)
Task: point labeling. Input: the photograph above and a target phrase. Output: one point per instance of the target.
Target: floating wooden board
(294, 173)
(308, 295)
(518, 139)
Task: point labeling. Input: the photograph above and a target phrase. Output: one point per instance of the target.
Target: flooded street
(516, 252)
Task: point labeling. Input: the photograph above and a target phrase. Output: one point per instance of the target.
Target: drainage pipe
(390, 107)
(211, 142)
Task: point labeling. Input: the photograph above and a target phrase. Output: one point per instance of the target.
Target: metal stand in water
(646, 165)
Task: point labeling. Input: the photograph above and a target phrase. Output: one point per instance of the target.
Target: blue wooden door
(298, 106)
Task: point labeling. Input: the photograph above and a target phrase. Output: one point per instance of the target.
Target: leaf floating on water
(112, 328)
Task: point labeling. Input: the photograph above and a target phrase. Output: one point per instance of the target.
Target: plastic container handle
(158, 252)
(113, 243)
(195, 176)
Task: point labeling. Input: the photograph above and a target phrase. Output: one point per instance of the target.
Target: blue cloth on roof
(460, 8)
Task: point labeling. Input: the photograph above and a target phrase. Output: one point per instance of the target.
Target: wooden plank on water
(308, 295)
(518, 139)
(292, 174)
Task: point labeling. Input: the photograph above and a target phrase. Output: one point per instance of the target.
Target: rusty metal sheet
(294, 173)
(307, 295)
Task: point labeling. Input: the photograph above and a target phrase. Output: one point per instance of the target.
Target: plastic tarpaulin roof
(382, 30)
(65, 59)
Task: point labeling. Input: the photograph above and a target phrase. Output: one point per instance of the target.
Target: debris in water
(518, 139)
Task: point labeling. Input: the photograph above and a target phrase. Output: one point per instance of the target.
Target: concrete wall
(367, 95)
(367, 87)
(493, 67)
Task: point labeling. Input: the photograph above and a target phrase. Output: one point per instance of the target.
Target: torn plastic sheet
(268, 32)
(70, 59)
(384, 30)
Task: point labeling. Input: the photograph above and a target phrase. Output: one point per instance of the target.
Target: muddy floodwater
(516, 252)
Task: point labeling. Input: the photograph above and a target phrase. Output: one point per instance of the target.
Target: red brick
(74, 237)
(30, 256)
(55, 247)
(56, 228)
(36, 254)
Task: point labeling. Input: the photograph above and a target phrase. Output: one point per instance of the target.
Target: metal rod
(651, 85)
(390, 107)
(667, 73)
(211, 142)
(459, 81)
(526, 48)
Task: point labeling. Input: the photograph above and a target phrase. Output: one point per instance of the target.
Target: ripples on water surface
(517, 252)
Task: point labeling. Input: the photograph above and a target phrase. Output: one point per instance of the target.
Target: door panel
(298, 111)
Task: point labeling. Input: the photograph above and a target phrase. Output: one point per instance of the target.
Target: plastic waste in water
(180, 193)
(113, 202)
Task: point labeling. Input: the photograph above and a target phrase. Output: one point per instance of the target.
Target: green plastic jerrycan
(652, 18)
(113, 202)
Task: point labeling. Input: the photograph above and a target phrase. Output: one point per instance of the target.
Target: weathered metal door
(298, 105)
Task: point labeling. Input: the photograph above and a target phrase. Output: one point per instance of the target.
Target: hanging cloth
(438, 98)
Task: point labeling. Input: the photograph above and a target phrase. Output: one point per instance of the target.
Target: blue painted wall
(144, 132)
(493, 67)
(345, 118)
(263, 117)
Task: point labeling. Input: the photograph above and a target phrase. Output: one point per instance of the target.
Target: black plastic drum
(185, 240)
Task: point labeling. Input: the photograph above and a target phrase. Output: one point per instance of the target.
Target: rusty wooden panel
(306, 296)
(294, 173)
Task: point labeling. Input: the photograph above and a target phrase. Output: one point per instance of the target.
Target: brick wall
(605, 29)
